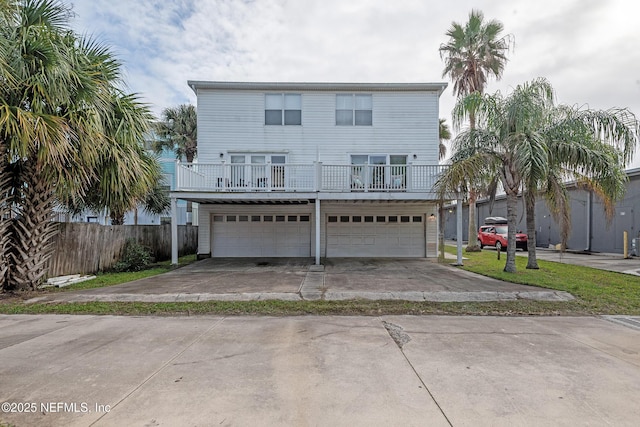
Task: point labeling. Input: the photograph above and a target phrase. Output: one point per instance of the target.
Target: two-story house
(314, 169)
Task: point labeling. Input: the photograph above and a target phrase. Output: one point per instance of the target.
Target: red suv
(494, 233)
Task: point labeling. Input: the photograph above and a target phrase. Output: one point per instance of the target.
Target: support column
(174, 231)
(459, 231)
(317, 231)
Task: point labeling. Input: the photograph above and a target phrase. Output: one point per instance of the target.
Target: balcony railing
(245, 177)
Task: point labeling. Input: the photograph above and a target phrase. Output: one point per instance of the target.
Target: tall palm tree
(178, 131)
(57, 89)
(474, 52)
(47, 118)
(527, 141)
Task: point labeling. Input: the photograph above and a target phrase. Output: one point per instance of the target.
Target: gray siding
(606, 235)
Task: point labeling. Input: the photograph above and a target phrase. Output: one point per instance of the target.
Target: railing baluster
(315, 177)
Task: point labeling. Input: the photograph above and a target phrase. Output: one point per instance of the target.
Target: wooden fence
(81, 248)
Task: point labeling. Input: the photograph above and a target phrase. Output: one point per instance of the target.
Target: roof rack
(495, 220)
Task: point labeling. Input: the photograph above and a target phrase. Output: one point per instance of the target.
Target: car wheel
(481, 245)
(498, 246)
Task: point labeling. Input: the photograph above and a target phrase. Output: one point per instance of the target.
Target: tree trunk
(32, 230)
(512, 207)
(5, 221)
(472, 245)
(117, 218)
(530, 207)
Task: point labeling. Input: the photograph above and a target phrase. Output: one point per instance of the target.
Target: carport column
(459, 230)
(317, 231)
(174, 231)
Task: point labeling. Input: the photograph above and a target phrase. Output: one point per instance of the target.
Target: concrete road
(324, 371)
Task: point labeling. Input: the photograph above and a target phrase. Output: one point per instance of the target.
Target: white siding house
(314, 169)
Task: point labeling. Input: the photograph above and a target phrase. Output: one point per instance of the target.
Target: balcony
(306, 178)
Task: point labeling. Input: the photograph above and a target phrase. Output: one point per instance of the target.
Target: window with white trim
(282, 108)
(354, 110)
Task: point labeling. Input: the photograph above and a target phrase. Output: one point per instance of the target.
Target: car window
(501, 229)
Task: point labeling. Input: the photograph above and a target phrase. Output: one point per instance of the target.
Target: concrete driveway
(297, 279)
(321, 371)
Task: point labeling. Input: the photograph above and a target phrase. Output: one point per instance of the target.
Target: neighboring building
(590, 229)
(314, 169)
(140, 217)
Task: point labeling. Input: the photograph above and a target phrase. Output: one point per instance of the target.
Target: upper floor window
(282, 108)
(354, 110)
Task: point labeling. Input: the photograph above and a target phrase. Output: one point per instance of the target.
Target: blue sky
(588, 49)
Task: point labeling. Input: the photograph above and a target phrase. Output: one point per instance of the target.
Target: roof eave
(317, 86)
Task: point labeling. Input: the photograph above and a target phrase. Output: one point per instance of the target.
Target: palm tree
(444, 134)
(591, 147)
(474, 52)
(178, 131)
(56, 93)
(48, 117)
(527, 141)
(125, 173)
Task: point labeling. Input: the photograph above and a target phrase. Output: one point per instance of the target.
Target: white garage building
(314, 169)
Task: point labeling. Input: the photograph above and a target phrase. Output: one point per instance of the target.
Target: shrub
(135, 257)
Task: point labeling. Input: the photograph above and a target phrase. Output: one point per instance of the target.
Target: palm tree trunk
(117, 218)
(512, 208)
(472, 245)
(530, 207)
(32, 231)
(5, 220)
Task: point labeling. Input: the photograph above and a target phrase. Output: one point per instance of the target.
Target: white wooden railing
(244, 177)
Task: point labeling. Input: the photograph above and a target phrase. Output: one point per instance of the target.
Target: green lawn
(596, 292)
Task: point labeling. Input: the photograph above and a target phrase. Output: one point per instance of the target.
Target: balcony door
(252, 170)
(379, 171)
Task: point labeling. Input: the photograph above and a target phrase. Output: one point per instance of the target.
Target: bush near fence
(82, 248)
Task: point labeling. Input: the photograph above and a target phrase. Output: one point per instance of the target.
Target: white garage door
(267, 235)
(375, 236)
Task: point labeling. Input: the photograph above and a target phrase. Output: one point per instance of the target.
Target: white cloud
(587, 49)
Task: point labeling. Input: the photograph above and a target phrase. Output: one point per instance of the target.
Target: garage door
(375, 236)
(267, 235)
